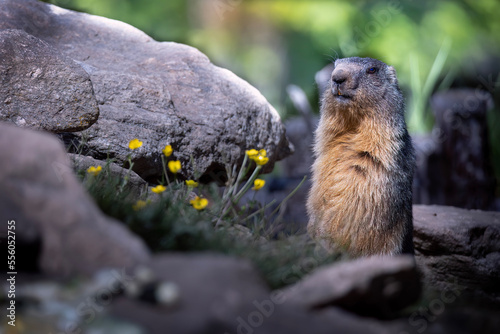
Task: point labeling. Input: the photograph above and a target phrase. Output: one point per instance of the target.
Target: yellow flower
(134, 143)
(168, 150)
(94, 170)
(260, 157)
(158, 189)
(174, 166)
(258, 183)
(199, 203)
(139, 205)
(261, 160)
(252, 153)
(191, 183)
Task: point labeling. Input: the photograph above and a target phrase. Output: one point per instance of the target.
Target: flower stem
(247, 185)
(127, 175)
(165, 175)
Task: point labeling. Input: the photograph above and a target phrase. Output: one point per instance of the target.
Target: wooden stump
(453, 165)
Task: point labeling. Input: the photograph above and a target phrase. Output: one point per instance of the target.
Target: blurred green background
(272, 43)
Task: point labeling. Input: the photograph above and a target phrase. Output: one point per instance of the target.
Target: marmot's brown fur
(361, 195)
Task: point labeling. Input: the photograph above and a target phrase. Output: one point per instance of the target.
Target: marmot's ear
(393, 78)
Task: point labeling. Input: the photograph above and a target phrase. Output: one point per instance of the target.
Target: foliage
(162, 20)
(418, 119)
(188, 216)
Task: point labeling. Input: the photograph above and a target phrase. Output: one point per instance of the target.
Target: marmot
(361, 195)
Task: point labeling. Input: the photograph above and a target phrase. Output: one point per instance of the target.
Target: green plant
(168, 218)
(419, 120)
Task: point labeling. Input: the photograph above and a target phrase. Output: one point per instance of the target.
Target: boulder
(41, 88)
(47, 202)
(221, 294)
(159, 92)
(374, 286)
(459, 250)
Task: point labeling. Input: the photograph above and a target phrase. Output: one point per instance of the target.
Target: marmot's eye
(372, 70)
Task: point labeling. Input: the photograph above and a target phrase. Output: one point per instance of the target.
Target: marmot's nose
(339, 77)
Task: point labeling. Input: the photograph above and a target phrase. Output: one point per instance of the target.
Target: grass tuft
(167, 221)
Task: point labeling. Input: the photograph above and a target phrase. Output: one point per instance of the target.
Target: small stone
(143, 275)
(167, 293)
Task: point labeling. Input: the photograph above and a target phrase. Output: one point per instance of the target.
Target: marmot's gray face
(361, 82)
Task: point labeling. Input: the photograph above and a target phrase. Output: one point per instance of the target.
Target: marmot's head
(362, 85)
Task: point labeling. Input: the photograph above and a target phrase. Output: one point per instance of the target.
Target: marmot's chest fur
(361, 200)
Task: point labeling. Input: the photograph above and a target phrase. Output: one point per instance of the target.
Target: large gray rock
(220, 294)
(375, 286)
(40, 192)
(161, 93)
(42, 89)
(459, 250)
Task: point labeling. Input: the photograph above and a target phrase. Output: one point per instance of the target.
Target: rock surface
(220, 294)
(42, 89)
(374, 286)
(50, 307)
(458, 248)
(161, 93)
(211, 286)
(40, 192)
(217, 294)
(433, 318)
